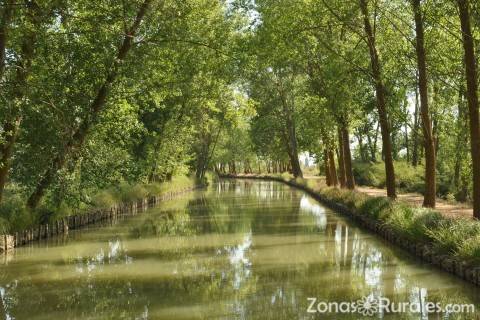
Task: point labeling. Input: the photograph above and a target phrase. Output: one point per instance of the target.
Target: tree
(472, 99)
(32, 21)
(78, 137)
(429, 144)
(381, 101)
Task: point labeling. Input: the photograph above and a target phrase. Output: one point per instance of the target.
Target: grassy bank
(15, 217)
(458, 238)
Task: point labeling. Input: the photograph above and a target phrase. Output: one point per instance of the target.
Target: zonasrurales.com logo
(367, 306)
(372, 305)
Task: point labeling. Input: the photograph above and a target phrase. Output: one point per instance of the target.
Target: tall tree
(22, 66)
(472, 99)
(429, 141)
(381, 101)
(78, 138)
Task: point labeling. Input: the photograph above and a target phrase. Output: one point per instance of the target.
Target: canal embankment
(110, 210)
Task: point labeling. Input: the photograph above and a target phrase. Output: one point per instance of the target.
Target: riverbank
(107, 207)
(452, 244)
(448, 208)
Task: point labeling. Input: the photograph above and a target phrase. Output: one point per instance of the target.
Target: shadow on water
(237, 250)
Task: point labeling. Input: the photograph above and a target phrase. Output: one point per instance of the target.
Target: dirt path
(444, 207)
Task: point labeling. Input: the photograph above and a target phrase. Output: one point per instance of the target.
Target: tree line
(97, 93)
(336, 78)
(100, 93)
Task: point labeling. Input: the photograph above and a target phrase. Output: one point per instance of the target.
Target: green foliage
(4, 226)
(207, 85)
(127, 193)
(104, 199)
(469, 249)
(451, 233)
(14, 216)
(376, 207)
(416, 223)
(408, 178)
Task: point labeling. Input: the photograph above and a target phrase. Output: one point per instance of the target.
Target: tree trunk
(333, 171)
(78, 138)
(341, 162)
(394, 143)
(458, 149)
(291, 137)
(347, 158)
(326, 164)
(381, 102)
(375, 140)
(415, 130)
(292, 142)
(472, 99)
(461, 140)
(202, 154)
(429, 143)
(407, 142)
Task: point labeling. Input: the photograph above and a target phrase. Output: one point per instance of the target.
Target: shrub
(4, 226)
(15, 215)
(129, 193)
(47, 213)
(154, 189)
(369, 174)
(105, 199)
(408, 178)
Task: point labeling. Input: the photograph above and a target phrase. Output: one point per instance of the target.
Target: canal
(239, 249)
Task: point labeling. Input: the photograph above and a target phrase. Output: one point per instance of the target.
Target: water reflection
(238, 250)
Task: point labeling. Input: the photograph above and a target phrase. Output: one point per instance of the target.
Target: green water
(237, 250)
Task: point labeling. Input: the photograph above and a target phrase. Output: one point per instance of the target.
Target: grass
(124, 192)
(15, 217)
(457, 237)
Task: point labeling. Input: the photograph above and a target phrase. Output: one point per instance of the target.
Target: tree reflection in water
(237, 250)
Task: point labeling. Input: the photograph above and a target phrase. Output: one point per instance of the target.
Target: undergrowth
(15, 216)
